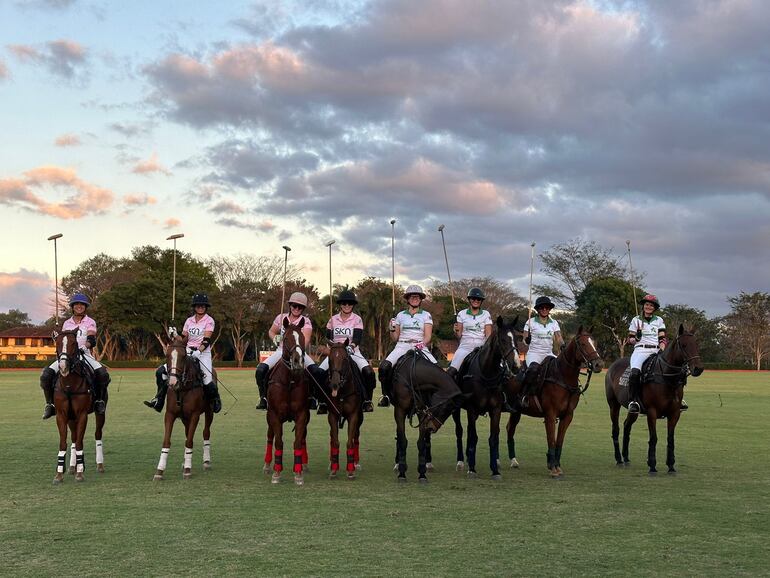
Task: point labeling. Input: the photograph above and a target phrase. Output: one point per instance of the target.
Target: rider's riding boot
(261, 376)
(319, 382)
(452, 372)
(370, 382)
(506, 405)
(386, 370)
(529, 382)
(161, 383)
(47, 383)
(212, 394)
(634, 385)
(101, 381)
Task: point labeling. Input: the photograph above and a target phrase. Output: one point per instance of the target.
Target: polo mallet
(393, 265)
(286, 250)
(56, 275)
(173, 282)
(633, 279)
(331, 303)
(531, 274)
(449, 276)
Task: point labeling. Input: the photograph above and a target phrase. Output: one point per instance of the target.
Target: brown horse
(186, 400)
(663, 381)
(72, 400)
(557, 397)
(482, 376)
(345, 404)
(288, 399)
(423, 389)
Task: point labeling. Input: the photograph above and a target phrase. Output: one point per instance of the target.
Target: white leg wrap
(163, 461)
(61, 457)
(188, 458)
(73, 456)
(99, 452)
(81, 466)
(206, 450)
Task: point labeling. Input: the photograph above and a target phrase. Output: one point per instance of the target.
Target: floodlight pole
(56, 274)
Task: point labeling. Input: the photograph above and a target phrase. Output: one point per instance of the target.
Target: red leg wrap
(268, 453)
(278, 465)
(297, 461)
(351, 457)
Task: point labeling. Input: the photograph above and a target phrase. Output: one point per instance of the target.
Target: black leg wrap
(260, 375)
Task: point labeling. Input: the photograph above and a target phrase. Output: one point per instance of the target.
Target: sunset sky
(252, 124)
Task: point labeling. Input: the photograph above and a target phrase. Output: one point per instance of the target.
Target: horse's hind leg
(334, 444)
(672, 421)
(61, 459)
(73, 449)
(428, 451)
(168, 423)
(421, 468)
(299, 441)
(208, 418)
(268, 461)
(614, 418)
(471, 443)
(550, 434)
(627, 425)
(190, 428)
(353, 425)
(652, 419)
(494, 442)
(457, 417)
(98, 440)
(510, 430)
(401, 442)
(80, 433)
(563, 425)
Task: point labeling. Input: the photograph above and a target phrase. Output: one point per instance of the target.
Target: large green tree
(375, 308)
(14, 318)
(607, 304)
(708, 331)
(748, 327)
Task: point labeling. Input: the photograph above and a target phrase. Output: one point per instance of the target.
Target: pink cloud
(24, 52)
(27, 193)
(171, 223)
(27, 291)
(3, 70)
(67, 140)
(266, 226)
(150, 166)
(139, 200)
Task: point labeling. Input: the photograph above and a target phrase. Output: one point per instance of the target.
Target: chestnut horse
(482, 376)
(662, 389)
(422, 389)
(288, 399)
(185, 400)
(72, 400)
(557, 397)
(345, 404)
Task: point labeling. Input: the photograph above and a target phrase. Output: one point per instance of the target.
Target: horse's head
(505, 340)
(339, 366)
(584, 349)
(293, 345)
(686, 352)
(66, 351)
(176, 359)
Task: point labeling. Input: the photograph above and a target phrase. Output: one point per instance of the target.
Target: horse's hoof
(351, 475)
(395, 467)
(59, 479)
(401, 479)
(460, 466)
(422, 480)
(627, 464)
(100, 468)
(267, 468)
(79, 477)
(497, 478)
(157, 478)
(672, 472)
(299, 480)
(429, 466)
(333, 475)
(472, 475)
(206, 466)
(276, 479)
(619, 464)
(514, 463)
(555, 475)
(359, 467)
(652, 473)
(186, 474)
(559, 471)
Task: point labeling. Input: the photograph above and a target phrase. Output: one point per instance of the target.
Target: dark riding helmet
(543, 302)
(347, 296)
(79, 298)
(476, 293)
(650, 298)
(200, 299)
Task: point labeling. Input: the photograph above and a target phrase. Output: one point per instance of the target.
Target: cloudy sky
(248, 125)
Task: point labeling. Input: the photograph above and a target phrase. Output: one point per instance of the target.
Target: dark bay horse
(72, 400)
(482, 377)
(185, 400)
(345, 404)
(662, 390)
(558, 395)
(420, 389)
(288, 399)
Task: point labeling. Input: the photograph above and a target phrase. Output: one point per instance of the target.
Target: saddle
(647, 372)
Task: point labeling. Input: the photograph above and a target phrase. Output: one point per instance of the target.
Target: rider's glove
(351, 349)
(172, 332)
(419, 346)
(277, 340)
(392, 325)
(196, 353)
(638, 334)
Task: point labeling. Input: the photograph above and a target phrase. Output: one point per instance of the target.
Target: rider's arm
(358, 335)
(395, 333)
(558, 340)
(487, 331)
(427, 333)
(206, 340)
(458, 328)
(308, 333)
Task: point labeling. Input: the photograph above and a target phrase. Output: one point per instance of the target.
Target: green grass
(710, 519)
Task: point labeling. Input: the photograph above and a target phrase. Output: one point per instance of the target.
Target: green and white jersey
(413, 326)
(473, 326)
(649, 329)
(542, 334)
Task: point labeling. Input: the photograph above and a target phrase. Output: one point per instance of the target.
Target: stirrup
(312, 403)
(633, 407)
(262, 405)
(683, 405)
(367, 406)
(100, 407)
(384, 401)
(49, 411)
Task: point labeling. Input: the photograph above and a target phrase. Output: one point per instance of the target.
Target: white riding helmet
(414, 290)
(298, 298)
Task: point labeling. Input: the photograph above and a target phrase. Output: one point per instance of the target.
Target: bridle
(586, 361)
(684, 366)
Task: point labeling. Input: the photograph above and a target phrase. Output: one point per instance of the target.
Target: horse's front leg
(353, 425)
(168, 423)
(80, 434)
(421, 458)
(563, 426)
(208, 418)
(550, 435)
(299, 446)
(510, 430)
(615, 419)
(268, 461)
(190, 427)
(277, 427)
(401, 442)
(334, 444)
(457, 416)
(471, 443)
(98, 437)
(494, 442)
(672, 421)
(61, 458)
(652, 418)
(428, 451)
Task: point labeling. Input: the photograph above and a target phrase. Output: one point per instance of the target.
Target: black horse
(663, 380)
(482, 377)
(424, 390)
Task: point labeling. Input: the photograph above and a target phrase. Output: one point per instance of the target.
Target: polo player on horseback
(86, 337)
(411, 329)
(297, 305)
(472, 328)
(198, 328)
(347, 325)
(647, 334)
(543, 335)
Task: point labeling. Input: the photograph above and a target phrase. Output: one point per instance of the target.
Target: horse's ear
(580, 329)
(285, 322)
(515, 322)
(347, 342)
(500, 322)
(681, 328)
(301, 323)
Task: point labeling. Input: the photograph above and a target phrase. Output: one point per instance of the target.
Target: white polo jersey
(473, 326)
(542, 335)
(413, 326)
(649, 329)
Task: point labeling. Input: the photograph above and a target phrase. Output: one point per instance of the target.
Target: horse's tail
(612, 377)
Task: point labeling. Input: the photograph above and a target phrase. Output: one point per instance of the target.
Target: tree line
(131, 301)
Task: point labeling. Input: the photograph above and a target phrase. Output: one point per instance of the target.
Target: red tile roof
(27, 331)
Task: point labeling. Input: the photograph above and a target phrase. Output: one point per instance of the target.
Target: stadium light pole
(173, 282)
(286, 250)
(331, 303)
(56, 274)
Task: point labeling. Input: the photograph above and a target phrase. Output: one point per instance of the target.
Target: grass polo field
(710, 519)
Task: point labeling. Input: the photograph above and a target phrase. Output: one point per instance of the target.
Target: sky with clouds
(248, 125)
